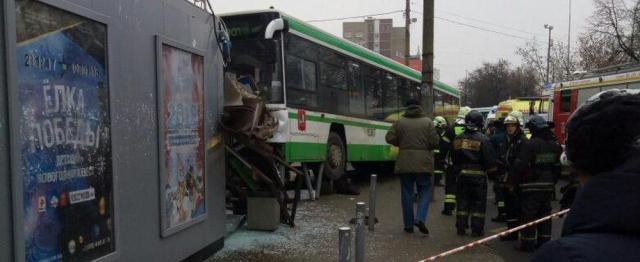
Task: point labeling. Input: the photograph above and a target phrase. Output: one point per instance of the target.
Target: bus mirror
(274, 26)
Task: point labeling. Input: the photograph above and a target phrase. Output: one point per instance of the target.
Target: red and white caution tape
(487, 239)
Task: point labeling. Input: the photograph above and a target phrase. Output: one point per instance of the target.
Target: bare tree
(613, 36)
(560, 68)
(599, 52)
(495, 82)
(534, 58)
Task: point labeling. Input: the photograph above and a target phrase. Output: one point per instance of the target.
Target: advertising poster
(182, 138)
(64, 135)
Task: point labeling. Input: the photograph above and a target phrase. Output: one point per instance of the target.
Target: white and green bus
(334, 100)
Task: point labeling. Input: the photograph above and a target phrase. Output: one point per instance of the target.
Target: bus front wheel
(336, 157)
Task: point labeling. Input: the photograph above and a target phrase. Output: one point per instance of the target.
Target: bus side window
(404, 93)
(447, 106)
(390, 91)
(356, 90)
(301, 82)
(333, 84)
(565, 103)
(373, 89)
(452, 108)
(301, 73)
(407, 90)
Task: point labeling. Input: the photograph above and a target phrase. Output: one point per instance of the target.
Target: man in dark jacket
(415, 136)
(473, 160)
(603, 148)
(537, 168)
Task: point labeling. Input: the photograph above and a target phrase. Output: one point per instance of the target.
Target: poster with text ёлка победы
(65, 140)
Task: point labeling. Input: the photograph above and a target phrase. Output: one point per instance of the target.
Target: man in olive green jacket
(416, 137)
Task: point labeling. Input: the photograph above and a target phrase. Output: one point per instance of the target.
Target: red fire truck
(568, 96)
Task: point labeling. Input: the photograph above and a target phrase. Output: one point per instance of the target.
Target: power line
(351, 17)
(437, 17)
(491, 23)
(482, 28)
(486, 22)
(479, 28)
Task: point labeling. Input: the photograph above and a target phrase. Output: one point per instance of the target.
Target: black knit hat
(603, 133)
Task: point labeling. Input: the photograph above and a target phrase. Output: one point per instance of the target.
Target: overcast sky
(458, 48)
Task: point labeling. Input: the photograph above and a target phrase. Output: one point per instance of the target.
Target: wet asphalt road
(315, 238)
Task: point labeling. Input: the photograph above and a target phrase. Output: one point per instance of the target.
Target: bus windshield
(256, 58)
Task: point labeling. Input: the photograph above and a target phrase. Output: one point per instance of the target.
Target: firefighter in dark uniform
(473, 160)
(498, 139)
(507, 154)
(443, 149)
(450, 177)
(537, 168)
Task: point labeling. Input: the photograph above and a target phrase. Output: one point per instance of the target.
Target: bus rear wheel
(336, 157)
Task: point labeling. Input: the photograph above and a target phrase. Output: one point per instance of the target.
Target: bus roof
(329, 40)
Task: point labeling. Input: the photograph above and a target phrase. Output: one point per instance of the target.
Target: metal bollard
(344, 252)
(307, 178)
(360, 211)
(372, 202)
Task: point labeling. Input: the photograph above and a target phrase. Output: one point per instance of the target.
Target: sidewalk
(315, 238)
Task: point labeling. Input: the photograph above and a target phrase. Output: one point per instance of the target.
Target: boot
(448, 209)
(420, 225)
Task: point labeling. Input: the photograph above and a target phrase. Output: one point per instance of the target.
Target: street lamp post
(549, 27)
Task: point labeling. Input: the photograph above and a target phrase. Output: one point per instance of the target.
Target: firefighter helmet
(518, 115)
(536, 122)
(511, 120)
(474, 120)
(439, 121)
(462, 113)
